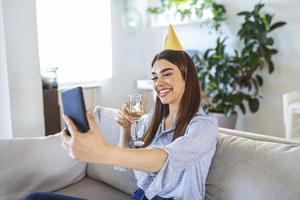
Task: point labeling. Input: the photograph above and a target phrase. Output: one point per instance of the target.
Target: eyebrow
(162, 71)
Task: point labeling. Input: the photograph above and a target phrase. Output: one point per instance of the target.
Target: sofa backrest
(36, 164)
(245, 165)
(248, 166)
(124, 181)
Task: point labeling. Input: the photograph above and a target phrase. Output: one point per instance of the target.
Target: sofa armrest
(36, 164)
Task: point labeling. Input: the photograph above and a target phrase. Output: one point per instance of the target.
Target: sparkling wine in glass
(136, 110)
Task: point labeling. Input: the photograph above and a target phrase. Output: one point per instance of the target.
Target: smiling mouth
(164, 92)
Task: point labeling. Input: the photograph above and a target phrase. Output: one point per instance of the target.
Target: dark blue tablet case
(74, 108)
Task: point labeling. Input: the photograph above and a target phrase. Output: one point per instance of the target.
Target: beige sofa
(246, 166)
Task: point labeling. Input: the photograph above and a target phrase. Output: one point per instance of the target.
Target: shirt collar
(171, 129)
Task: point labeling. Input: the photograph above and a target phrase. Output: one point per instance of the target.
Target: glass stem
(136, 129)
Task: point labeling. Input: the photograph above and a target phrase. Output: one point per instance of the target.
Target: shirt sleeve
(198, 141)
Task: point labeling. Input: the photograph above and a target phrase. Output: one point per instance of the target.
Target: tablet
(74, 108)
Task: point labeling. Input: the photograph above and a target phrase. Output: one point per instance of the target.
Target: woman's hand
(89, 147)
(92, 148)
(124, 117)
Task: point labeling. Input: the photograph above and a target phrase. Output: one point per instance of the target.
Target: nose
(158, 81)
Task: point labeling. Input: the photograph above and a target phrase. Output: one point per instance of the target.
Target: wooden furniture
(51, 111)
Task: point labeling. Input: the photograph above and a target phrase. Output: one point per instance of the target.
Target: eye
(154, 78)
(167, 74)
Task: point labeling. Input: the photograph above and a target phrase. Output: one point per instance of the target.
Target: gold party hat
(171, 41)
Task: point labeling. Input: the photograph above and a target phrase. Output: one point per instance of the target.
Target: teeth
(163, 92)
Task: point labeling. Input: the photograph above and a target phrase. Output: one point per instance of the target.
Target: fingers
(91, 120)
(143, 110)
(126, 108)
(65, 146)
(65, 136)
(65, 140)
(124, 117)
(127, 117)
(68, 145)
(122, 121)
(71, 126)
(125, 113)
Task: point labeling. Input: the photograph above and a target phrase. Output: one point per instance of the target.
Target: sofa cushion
(245, 169)
(93, 190)
(124, 181)
(36, 164)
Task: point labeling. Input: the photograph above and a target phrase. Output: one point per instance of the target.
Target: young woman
(178, 126)
(180, 139)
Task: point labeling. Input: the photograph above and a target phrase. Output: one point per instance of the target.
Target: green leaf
(276, 25)
(206, 108)
(184, 13)
(258, 7)
(155, 10)
(265, 52)
(270, 66)
(269, 18)
(251, 25)
(273, 51)
(237, 99)
(203, 84)
(228, 111)
(243, 108)
(253, 105)
(255, 86)
(206, 54)
(266, 19)
(259, 80)
(268, 41)
(244, 13)
(178, 2)
(212, 85)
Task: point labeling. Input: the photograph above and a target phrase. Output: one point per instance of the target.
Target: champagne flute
(136, 110)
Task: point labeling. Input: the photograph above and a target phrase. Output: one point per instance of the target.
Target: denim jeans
(50, 196)
(139, 194)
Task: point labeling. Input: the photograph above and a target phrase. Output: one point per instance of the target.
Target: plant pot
(224, 121)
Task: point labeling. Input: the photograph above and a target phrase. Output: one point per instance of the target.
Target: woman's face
(168, 82)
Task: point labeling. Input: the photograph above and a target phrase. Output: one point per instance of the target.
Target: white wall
(128, 59)
(24, 83)
(132, 55)
(135, 53)
(5, 115)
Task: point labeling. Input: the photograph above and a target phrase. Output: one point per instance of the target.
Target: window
(75, 37)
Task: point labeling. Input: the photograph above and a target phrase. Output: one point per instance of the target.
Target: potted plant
(208, 12)
(229, 82)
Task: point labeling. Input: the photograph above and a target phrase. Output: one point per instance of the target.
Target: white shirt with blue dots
(184, 173)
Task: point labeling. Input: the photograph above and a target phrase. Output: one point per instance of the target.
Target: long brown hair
(190, 101)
